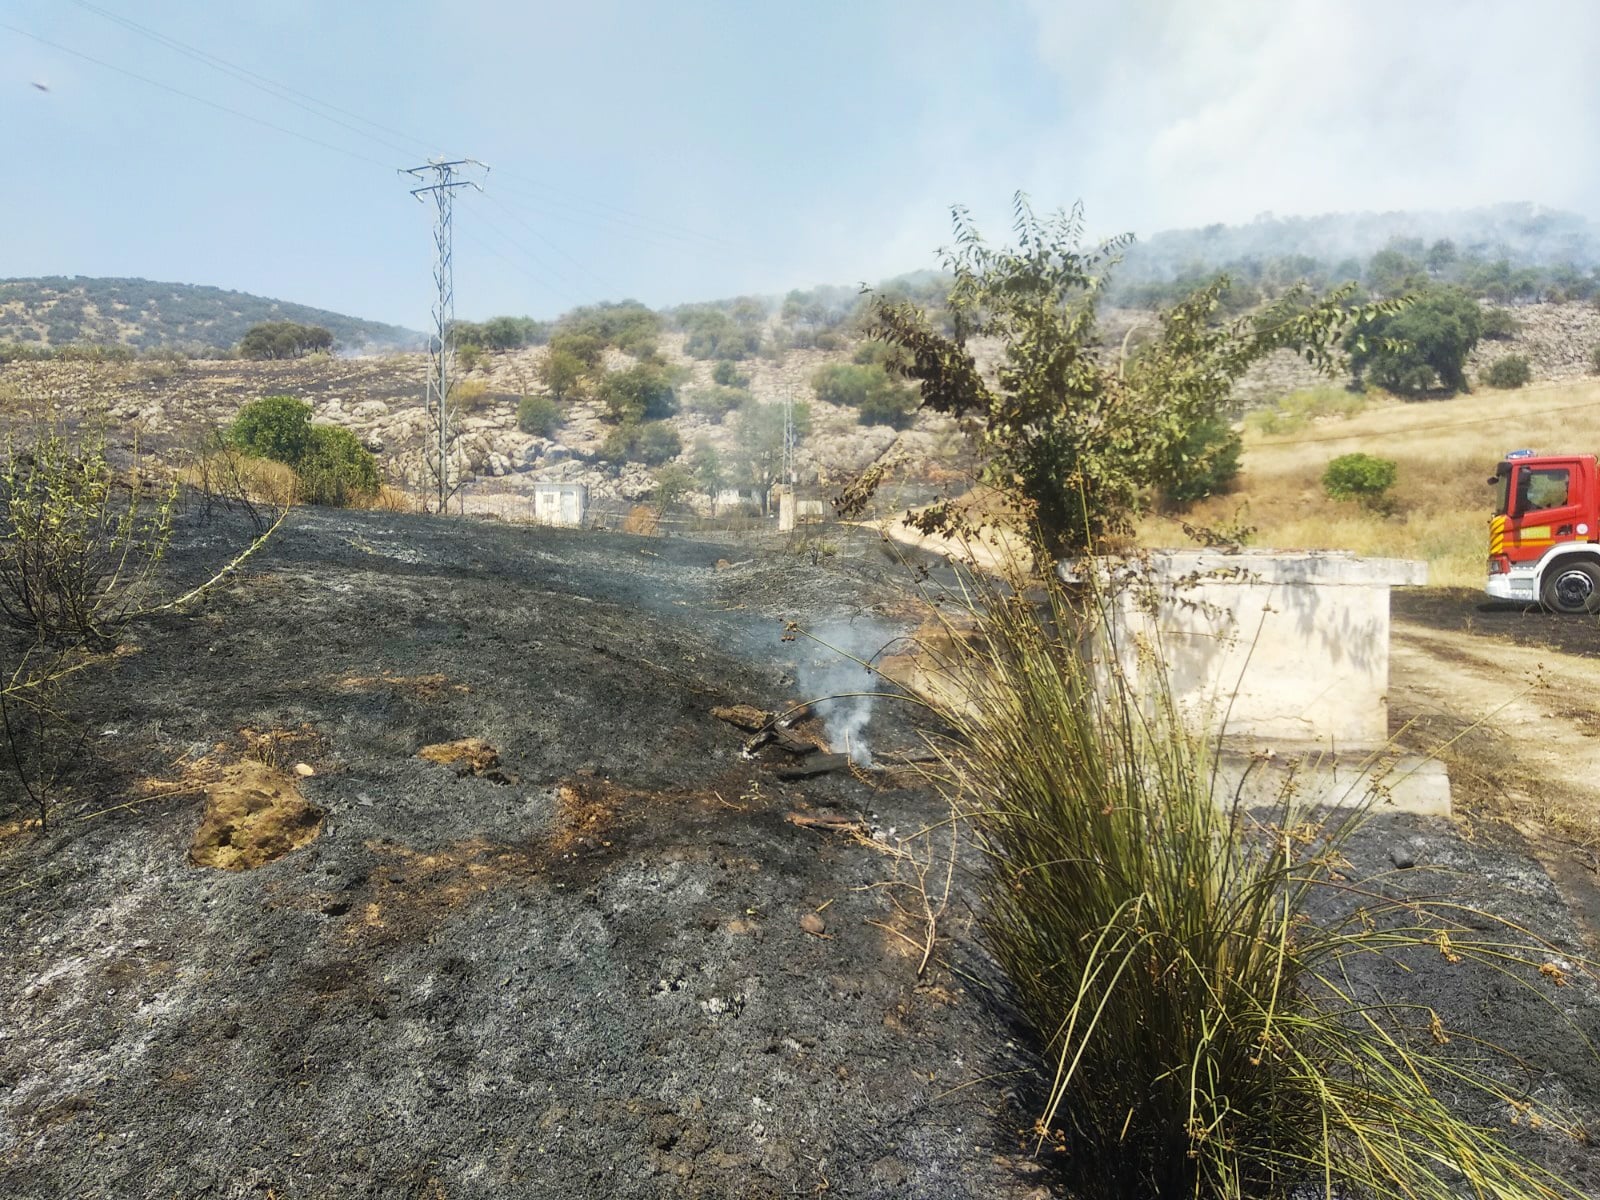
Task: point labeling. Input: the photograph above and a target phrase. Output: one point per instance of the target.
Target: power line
(166, 87)
(617, 221)
(591, 279)
(620, 226)
(546, 284)
(622, 215)
(260, 82)
(305, 101)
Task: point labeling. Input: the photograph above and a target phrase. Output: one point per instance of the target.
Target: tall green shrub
(1364, 478)
(539, 415)
(330, 463)
(1508, 373)
(336, 468)
(275, 427)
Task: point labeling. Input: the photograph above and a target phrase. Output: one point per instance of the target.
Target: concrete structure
(793, 510)
(737, 499)
(1283, 657)
(560, 503)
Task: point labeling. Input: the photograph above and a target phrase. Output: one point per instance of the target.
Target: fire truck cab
(1544, 533)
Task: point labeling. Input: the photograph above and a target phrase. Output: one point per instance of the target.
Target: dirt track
(586, 978)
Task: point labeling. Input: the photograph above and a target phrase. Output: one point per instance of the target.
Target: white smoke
(832, 674)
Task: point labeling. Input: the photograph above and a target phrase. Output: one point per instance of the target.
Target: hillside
(1444, 451)
(147, 315)
(169, 407)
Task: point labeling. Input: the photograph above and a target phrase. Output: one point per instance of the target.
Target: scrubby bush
(275, 427)
(469, 357)
(332, 465)
(1420, 347)
(1364, 478)
(499, 334)
(1202, 462)
(586, 348)
(844, 383)
(625, 324)
(562, 372)
(75, 547)
(336, 468)
(878, 354)
(651, 443)
(80, 549)
(1499, 324)
(1594, 361)
(1512, 371)
(1300, 408)
(643, 392)
(673, 482)
(471, 395)
(878, 399)
(894, 407)
(727, 374)
(712, 333)
(539, 415)
(718, 402)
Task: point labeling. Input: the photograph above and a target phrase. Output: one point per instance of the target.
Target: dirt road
(1510, 698)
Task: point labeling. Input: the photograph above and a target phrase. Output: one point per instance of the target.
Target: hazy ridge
(56, 310)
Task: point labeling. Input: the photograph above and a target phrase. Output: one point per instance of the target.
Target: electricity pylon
(436, 452)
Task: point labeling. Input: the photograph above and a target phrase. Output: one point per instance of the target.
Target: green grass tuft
(1202, 1035)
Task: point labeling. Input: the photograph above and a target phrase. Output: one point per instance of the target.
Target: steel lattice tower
(442, 353)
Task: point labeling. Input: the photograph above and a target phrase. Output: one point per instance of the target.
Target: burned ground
(581, 974)
(1465, 610)
(598, 952)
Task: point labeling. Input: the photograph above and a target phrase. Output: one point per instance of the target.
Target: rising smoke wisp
(831, 674)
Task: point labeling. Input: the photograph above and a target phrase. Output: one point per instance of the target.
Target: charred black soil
(580, 972)
(1464, 610)
(596, 952)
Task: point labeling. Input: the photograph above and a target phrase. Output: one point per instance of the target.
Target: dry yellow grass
(1445, 451)
(390, 499)
(228, 473)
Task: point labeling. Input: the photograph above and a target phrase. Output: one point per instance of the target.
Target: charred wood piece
(816, 764)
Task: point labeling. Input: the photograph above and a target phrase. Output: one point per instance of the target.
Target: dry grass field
(1445, 451)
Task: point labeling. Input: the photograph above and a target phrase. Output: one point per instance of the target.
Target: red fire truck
(1544, 539)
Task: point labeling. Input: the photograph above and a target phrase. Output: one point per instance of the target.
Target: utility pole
(788, 442)
(442, 354)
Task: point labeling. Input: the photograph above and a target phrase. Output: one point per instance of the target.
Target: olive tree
(1082, 434)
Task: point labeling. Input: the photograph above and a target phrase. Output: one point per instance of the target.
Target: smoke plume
(831, 673)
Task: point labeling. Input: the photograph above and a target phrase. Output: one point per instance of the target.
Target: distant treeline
(1510, 254)
(144, 315)
(1513, 253)
(1404, 266)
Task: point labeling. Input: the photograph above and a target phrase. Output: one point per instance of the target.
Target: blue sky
(682, 151)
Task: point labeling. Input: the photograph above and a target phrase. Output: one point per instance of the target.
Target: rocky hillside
(168, 407)
(146, 315)
(1558, 340)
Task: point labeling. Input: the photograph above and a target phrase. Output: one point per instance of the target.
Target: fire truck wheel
(1572, 587)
